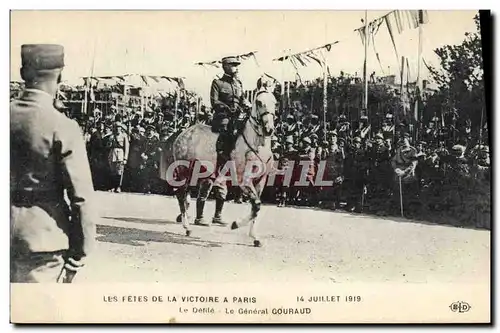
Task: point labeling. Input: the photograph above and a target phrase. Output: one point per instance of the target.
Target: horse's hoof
(179, 218)
(234, 225)
(257, 243)
(188, 233)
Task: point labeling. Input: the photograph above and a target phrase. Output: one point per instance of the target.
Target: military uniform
(356, 174)
(48, 158)
(151, 160)
(118, 155)
(226, 97)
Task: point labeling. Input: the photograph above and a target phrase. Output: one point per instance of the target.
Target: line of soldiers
(364, 167)
(128, 149)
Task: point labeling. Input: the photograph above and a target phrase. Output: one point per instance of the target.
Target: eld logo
(460, 307)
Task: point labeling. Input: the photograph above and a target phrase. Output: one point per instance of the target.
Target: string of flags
(396, 21)
(306, 57)
(218, 63)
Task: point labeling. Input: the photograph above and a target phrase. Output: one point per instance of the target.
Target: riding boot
(199, 220)
(219, 204)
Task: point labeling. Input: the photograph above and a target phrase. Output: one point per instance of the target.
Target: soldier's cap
(423, 143)
(485, 149)
(406, 136)
(121, 125)
(290, 116)
(314, 116)
(325, 143)
(458, 148)
(388, 116)
(314, 136)
(230, 60)
(363, 118)
(306, 139)
(187, 115)
(435, 119)
(341, 140)
(357, 139)
(379, 136)
(342, 116)
(289, 139)
(333, 133)
(150, 128)
(274, 138)
(42, 56)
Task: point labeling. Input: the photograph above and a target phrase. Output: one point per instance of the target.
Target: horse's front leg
(183, 199)
(253, 193)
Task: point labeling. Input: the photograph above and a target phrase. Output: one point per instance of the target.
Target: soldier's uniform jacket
(119, 145)
(405, 159)
(48, 155)
(152, 150)
(290, 129)
(388, 131)
(226, 94)
(379, 155)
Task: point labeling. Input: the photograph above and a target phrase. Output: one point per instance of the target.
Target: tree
(460, 80)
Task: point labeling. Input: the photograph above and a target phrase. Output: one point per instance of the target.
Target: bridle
(257, 125)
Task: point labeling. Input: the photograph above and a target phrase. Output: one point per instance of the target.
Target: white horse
(252, 148)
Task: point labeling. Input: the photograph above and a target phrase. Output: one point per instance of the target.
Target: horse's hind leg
(182, 195)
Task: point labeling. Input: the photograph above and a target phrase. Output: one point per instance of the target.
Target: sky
(171, 42)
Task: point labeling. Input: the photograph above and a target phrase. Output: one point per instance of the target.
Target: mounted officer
(227, 99)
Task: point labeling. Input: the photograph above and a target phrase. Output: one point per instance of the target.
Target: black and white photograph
(196, 166)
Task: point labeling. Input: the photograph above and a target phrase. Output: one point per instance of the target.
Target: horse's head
(265, 104)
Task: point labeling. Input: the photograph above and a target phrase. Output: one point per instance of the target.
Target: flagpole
(397, 121)
(418, 116)
(365, 99)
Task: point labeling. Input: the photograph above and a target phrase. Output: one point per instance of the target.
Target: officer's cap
(230, 60)
(42, 56)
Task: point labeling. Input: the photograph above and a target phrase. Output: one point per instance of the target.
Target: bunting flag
(241, 57)
(304, 58)
(396, 21)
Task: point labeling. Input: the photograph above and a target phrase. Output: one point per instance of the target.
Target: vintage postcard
(250, 166)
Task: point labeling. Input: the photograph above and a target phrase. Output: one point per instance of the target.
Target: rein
(255, 123)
